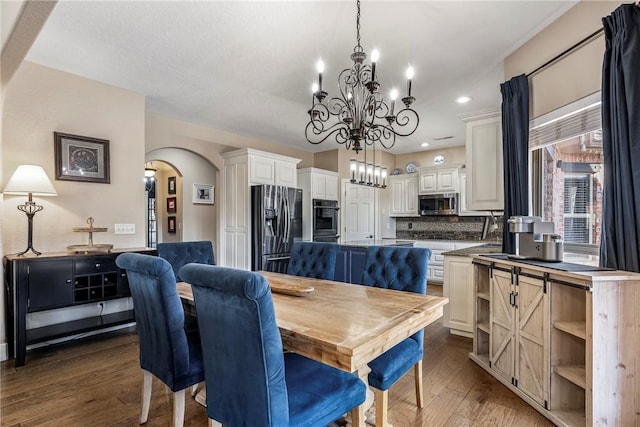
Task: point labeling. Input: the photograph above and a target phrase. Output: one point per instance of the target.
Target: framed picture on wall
(171, 224)
(172, 205)
(203, 193)
(81, 158)
(171, 187)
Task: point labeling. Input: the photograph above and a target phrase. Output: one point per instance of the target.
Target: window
(567, 173)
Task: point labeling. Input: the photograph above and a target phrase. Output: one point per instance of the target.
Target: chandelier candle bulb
(374, 58)
(320, 68)
(369, 173)
(361, 169)
(314, 89)
(376, 175)
(384, 177)
(393, 95)
(409, 77)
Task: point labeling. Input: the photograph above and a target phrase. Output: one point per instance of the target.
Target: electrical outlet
(410, 225)
(125, 228)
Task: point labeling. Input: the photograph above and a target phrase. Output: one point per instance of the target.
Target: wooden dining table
(342, 325)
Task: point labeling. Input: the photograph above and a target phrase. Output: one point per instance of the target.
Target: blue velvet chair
(167, 351)
(401, 269)
(313, 259)
(250, 380)
(180, 253)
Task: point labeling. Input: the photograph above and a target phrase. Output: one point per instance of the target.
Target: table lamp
(30, 180)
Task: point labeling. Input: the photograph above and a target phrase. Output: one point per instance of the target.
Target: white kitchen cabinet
(458, 287)
(484, 163)
(462, 201)
(436, 271)
(242, 169)
(404, 195)
(439, 180)
(315, 184)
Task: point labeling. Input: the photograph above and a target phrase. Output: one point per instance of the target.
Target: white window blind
(565, 127)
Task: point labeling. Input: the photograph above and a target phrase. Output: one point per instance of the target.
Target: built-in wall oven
(325, 220)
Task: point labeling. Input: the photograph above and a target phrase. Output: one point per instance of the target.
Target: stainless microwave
(438, 204)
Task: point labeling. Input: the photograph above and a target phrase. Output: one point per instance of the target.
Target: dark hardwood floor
(97, 382)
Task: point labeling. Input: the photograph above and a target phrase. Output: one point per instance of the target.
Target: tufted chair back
(398, 268)
(313, 259)
(180, 253)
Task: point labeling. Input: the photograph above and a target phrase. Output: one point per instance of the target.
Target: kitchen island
(350, 261)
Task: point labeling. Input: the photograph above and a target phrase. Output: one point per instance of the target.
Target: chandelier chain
(359, 48)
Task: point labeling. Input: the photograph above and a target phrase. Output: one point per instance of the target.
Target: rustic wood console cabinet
(568, 343)
(57, 280)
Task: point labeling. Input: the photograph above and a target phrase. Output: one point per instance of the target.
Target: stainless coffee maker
(535, 239)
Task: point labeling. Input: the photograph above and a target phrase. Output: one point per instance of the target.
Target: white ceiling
(247, 66)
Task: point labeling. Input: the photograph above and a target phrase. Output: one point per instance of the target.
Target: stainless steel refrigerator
(276, 223)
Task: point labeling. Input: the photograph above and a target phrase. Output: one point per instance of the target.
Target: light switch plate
(125, 229)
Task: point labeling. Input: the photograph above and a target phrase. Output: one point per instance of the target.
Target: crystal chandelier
(362, 117)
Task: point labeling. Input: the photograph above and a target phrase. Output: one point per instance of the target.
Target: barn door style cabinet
(565, 342)
(60, 280)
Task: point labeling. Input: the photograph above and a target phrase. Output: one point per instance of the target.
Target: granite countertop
(488, 248)
(375, 242)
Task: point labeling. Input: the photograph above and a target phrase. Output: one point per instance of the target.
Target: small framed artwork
(172, 205)
(171, 224)
(203, 193)
(81, 158)
(171, 188)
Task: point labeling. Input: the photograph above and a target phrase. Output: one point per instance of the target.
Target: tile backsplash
(447, 228)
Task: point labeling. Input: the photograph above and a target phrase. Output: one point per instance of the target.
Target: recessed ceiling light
(424, 144)
(463, 99)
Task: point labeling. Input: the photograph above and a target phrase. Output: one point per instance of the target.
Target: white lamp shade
(30, 179)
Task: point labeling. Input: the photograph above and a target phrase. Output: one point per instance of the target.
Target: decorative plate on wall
(410, 167)
(438, 160)
(396, 171)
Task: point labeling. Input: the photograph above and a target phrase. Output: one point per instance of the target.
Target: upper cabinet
(267, 168)
(484, 186)
(438, 180)
(404, 195)
(318, 183)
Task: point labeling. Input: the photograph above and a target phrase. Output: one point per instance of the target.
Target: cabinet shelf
(60, 330)
(577, 329)
(570, 418)
(484, 327)
(483, 295)
(574, 373)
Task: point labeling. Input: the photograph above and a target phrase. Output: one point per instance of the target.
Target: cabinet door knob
(69, 281)
(97, 265)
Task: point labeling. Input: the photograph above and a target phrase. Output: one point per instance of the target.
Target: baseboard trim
(4, 352)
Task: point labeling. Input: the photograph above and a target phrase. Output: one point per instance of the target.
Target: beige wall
(452, 156)
(39, 101)
(168, 132)
(573, 77)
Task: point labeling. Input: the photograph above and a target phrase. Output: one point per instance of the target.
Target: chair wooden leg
(194, 389)
(382, 406)
(147, 379)
(178, 408)
(419, 393)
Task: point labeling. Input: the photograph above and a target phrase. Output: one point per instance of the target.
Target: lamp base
(29, 248)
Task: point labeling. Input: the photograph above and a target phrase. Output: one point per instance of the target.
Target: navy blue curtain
(515, 153)
(620, 240)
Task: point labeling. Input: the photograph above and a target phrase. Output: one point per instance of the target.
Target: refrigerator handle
(287, 217)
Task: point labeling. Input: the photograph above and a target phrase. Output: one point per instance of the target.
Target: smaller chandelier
(364, 173)
(361, 115)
